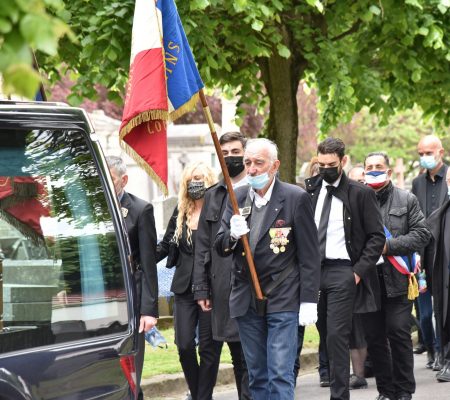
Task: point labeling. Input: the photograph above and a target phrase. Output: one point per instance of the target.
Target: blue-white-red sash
(405, 267)
(401, 263)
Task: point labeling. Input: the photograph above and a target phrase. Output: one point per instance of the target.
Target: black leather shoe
(420, 349)
(444, 374)
(430, 359)
(438, 365)
(404, 396)
(382, 397)
(324, 381)
(357, 382)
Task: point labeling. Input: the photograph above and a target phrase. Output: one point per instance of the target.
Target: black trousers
(301, 336)
(200, 377)
(335, 309)
(389, 344)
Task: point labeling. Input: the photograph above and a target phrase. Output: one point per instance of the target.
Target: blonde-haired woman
(178, 245)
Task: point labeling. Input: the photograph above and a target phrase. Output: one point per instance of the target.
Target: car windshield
(61, 268)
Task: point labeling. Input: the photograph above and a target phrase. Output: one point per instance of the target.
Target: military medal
(279, 239)
(124, 212)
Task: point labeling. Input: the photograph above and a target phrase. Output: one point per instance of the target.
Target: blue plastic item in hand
(154, 338)
(422, 282)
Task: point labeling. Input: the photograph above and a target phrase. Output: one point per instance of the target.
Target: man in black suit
(351, 240)
(140, 222)
(438, 259)
(430, 189)
(212, 273)
(283, 240)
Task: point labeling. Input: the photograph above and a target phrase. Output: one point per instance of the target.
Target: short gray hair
(117, 163)
(264, 143)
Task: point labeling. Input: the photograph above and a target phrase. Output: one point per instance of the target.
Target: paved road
(308, 387)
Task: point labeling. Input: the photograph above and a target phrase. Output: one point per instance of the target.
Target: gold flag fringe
(141, 162)
(186, 107)
(149, 116)
(143, 117)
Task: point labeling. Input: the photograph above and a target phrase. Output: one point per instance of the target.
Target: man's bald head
(430, 141)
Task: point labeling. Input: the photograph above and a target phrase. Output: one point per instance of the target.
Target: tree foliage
(26, 25)
(386, 55)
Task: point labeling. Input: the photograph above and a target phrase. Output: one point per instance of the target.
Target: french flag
(163, 85)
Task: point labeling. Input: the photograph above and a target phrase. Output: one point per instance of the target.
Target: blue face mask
(428, 162)
(258, 182)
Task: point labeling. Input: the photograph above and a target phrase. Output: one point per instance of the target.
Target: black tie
(323, 224)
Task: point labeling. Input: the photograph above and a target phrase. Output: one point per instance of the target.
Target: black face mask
(235, 165)
(196, 190)
(329, 175)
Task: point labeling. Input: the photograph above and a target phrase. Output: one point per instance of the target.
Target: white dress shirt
(335, 245)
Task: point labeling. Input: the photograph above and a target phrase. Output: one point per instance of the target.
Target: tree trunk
(281, 78)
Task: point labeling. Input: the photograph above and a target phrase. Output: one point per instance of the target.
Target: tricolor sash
(406, 267)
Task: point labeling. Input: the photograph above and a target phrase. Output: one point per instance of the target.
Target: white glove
(307, 314)
(238, 226)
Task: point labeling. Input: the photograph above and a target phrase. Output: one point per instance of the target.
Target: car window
(62, 277)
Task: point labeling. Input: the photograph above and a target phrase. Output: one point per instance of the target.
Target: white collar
(262, 200)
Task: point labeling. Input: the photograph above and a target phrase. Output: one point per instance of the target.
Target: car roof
(35, 114)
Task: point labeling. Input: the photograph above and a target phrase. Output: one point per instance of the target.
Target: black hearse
(67, 318)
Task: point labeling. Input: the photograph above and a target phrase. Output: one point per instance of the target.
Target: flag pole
(41, 86)
(226, 176)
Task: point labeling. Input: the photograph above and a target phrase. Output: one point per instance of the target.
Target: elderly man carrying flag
(406, 233)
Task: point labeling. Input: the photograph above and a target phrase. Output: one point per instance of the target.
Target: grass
(165, 361)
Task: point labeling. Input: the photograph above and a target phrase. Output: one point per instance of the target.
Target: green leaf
(74, 99)
(423, 31)
(415, 3)
(21, 79)
(38, 32)
(367, 16)
(265, 10)
(111, 54)
(416, 76)
(283, 51)
(375, 10)
(257, 25)
(211, 62)
(199, 4)
(316, 4)
(9, 9)
(277, 4)
(5, 25)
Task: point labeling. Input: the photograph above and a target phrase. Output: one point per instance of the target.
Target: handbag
(173, 254)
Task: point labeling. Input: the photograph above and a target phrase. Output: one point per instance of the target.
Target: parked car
(68, 320)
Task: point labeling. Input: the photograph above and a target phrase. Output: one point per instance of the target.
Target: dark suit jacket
(364, 235)
(419, 188)
(289, 207)
(437, 257)
(212, 273)
(182, 279)
(142, 236)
